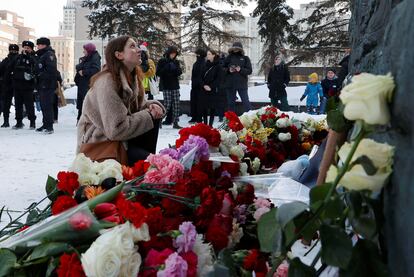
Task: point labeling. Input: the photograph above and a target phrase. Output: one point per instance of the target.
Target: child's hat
(314, 78)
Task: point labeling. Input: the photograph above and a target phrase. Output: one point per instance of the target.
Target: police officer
(47, 82)
(7, 89)
(23, 80)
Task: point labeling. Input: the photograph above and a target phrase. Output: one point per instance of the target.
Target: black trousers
(140, 147)
(55, 107)
(194, 113)
(46, 103)
(24, 97)
(7, 101)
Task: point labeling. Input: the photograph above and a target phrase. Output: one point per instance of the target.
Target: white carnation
(237, 151)
(283, 122)
(204, 256)
(284, 136)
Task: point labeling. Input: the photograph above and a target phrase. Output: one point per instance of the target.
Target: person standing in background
(277, 81)
(47, 82)
(197, 74)
(148, 68)
(23, 81)
(88, 65)
(330, 86)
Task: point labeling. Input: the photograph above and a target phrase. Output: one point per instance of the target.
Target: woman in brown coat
(115, 108)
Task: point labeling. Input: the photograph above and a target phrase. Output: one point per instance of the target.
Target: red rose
(67, 182)
(219, 230)
(63, 203)
(245, 195)
(191, 258)
(70, 266)
(153, 260)
(131, 211)
(255, 261)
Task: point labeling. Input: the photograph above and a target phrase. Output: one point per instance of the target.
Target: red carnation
(191, 258)
(219, 230)
(132, 211)
(153, 260)
(67, 182)
(63, 203)
(255, 261)
(214, 138)
(70, 266)
(202, 130)
(245, 195)
(234, 121)
(139, 169)
(154, 220)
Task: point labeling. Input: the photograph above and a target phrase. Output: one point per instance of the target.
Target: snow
(256, 94)
(27, 157)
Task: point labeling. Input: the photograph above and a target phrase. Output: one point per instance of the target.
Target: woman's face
(210, 56)
(278, 60)
(85, 53)
(131, 56)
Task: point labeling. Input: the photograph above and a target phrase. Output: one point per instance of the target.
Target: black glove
(145, 66)
(303, 97)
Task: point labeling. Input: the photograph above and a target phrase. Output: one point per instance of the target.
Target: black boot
(19, 125)
(32, 125)
(6, 123)
(176, 126)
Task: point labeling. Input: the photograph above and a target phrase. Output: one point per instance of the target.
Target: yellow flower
(366, 98)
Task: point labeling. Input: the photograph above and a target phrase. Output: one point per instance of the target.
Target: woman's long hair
(115, 66)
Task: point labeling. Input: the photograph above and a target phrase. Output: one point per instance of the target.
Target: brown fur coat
(107, 116)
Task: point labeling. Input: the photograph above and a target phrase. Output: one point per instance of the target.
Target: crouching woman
(117, 122)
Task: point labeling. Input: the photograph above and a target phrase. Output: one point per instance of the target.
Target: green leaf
(317, 195)
(53, 264)
(299, 269)
(218, 271)
(334, 208)
(357, 129)
(336, 246)
(289, 211)
(367, 164)
(361, 215)
(269, 232)
(48, 250)
(336, 121)
(32, 215)
(7, 261)
(309, 232)
(226, 263)
(51, 188)
(366, 261)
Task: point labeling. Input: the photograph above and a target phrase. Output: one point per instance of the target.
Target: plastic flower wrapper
(260, 182)
(76, 224)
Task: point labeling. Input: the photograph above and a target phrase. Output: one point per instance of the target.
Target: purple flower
(185, 241)
(170, 152)
(225, 173)
(239, 213)
(175, 266)
(192, 142)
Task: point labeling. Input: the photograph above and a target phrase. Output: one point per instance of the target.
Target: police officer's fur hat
(28, 43)
(13, 47)
(43, 41)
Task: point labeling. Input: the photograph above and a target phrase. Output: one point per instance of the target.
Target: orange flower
(306, 146)
(93, 191)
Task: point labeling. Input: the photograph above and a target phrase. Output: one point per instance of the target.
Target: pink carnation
(175, 266)
(261, 203)
(185, 241)
(259, 212)
(163, 170)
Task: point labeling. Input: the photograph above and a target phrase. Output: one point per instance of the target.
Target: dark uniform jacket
(47, 68)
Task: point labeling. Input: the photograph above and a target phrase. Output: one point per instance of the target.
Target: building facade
(63, 47)
(12, 31)
(67, 27)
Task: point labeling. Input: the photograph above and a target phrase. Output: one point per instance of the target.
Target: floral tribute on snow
(176, 214)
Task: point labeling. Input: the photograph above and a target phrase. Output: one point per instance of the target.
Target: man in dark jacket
(23, 80)
(237, 67)
(89, 65)
(277, 81)
(197, 83)
(47, 82)
(7, 86)
(169, 70)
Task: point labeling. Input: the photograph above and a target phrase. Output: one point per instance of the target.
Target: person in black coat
(89, 65)
(277, 81)
(210, 96)
(197, 83)
(330, 86)
(7, 86)
(237, 67)
(169, 70)
(47, 82)
(23, 80)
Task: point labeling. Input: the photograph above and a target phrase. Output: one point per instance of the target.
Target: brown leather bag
(100, 151)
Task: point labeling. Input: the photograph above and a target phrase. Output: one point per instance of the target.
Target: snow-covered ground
(27, 157)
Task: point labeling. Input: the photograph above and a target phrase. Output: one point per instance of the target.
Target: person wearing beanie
(148, 68)
(6, 83)
(238, 68)
(277, 81)
(312, 93)
(88, 65)
(23, 80)
(197, 74)
(331, 87)
(46, 82)
(169, 70)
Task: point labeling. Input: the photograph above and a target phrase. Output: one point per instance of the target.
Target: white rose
(284, 136)
(81, 164)
(141, 234)
(87, 179)
(366, 98)
(283, 122)
(131, 265)
(110, 172)
(357, 179)
(237, 151)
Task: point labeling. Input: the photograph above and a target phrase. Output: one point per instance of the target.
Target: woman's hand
(207, 88)
(156, 111)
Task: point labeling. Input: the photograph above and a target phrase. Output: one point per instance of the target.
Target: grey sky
(45, 15)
